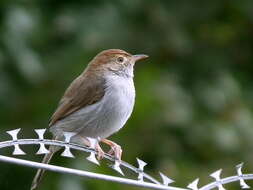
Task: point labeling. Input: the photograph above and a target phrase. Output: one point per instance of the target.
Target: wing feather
(84, 90)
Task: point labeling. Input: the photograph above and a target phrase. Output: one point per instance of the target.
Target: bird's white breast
(118, 103)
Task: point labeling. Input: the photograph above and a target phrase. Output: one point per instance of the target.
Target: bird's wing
(83, 91)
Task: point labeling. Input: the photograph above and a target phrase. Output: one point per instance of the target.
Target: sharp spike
(42, 149)
(40, 133)
(166, 180)
(239, 173)
(141, 168)
(116, 167)
(14, 136)
(67, 152)
(141, 164)
(17, 150)
(216, 176)
(244, 185)
(240, 165)
(68, 135)
(239, 169)
(92, 156)
(194, 185)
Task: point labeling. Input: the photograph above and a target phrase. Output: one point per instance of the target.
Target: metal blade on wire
(216, 176)
(42, 149)
(92, 157)
(239, 173)
(116, 167)
(141, 164)
(194, 185)
(67, 152)
(166, 180)
(14, 135)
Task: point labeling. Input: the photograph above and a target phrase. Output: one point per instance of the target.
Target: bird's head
(115, 61)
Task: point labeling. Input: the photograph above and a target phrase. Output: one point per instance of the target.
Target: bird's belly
(121, 109)
(103, 118)
(114, 111)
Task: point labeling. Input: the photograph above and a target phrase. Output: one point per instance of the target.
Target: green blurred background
(194, 104)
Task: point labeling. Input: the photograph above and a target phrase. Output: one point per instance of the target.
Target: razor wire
(143, 179)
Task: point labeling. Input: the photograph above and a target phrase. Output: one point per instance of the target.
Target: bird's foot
(100, 152)
(115, 149)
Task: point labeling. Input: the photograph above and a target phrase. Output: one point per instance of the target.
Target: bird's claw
(116, 150)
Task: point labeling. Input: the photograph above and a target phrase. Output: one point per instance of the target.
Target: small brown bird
(97, 103)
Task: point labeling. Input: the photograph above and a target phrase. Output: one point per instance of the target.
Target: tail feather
(40, 172)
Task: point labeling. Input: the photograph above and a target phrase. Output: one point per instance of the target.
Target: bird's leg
(100, 152)
(115, 148)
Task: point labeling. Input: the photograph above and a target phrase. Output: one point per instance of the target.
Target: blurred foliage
(194, 104)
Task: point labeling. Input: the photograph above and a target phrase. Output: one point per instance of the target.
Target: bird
(96, 104)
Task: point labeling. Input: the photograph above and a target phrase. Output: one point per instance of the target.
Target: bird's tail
(40, 172)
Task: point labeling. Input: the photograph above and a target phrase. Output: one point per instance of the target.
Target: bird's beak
(139, 57)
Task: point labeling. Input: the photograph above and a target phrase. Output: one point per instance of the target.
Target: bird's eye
(120, 59)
